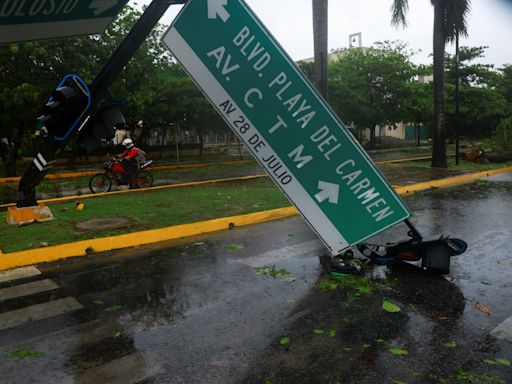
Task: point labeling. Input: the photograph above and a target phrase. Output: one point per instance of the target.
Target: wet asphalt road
(196, 311)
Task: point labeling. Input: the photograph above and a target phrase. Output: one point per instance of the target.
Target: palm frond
(457, 13)
(399, 9)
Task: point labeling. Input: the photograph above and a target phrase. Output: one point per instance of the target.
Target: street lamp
(457, 98)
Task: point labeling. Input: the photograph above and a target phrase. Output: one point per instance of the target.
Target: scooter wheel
(345, 265)
(460, 246)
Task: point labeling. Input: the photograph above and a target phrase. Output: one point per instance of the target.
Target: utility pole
(320, 37)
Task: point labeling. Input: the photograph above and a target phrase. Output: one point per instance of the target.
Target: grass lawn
(463, 165)
(214, 171)
(148, 210)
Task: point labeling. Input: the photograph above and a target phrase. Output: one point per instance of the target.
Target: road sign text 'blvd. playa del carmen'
(25, 20)
(288, 127)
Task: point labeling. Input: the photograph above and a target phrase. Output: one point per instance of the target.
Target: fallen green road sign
(288, 127)
(24, 20)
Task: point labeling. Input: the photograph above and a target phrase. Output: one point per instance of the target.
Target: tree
(201, 117)
(449, 21)
(418, 103)
(158, 91)
(29, 72)
(320, 37)
(307, 68)
(505, 87)
(140, 81)
(502, 138)
(482, 103)
(368, 85)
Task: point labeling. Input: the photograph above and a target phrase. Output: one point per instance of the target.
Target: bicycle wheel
(143, 179)
(100, 183)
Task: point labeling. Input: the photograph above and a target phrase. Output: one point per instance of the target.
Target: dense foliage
(450, 22)
(158, 91)
(368, 87)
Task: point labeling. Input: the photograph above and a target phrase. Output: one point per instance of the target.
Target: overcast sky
(490, 24)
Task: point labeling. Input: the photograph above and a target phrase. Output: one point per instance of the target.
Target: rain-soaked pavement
(197, 311)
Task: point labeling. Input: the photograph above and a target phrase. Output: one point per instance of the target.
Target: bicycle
(116, 174)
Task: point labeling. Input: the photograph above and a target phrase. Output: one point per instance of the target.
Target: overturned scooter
(432, 255)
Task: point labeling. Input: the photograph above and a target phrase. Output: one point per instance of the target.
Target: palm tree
(450, 20)
(320, 17)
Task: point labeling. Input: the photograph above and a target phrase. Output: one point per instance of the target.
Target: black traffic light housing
(67, 104)
(102, 124)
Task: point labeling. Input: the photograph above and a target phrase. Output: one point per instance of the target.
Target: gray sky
(490, 24)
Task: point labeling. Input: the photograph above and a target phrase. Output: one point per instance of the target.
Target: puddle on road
(208, 318)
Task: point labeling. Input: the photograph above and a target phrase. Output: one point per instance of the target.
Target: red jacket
(130, 153)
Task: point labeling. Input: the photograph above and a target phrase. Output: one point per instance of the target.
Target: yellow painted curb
(409, 159)
(168, 186)
(81, 248)
(450, 181)
(5, 180)
(403, 160)
(72, 175)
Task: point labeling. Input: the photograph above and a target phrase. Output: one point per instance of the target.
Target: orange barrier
(21, 216)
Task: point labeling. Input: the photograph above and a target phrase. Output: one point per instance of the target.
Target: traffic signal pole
(55, 143)
(130, 44)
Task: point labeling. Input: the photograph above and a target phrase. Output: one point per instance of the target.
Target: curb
(85, 247)
(73, 175)
(159, 187)
(397, 161)
(449, 182)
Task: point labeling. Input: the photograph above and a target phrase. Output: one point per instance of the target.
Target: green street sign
(25, 20)
(289, 128)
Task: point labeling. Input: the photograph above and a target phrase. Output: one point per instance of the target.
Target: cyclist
(130, 160)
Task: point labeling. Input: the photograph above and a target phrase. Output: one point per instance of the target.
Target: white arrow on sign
(101, 6)
(328, 191)
(216, 8)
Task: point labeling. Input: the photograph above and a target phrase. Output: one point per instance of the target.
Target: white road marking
(504, 330)
(19, 273)
(281, 254)
(134, 368)
(18, 317)
(27, 289)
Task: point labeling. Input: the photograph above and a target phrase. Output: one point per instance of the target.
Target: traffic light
(102, 124)
(66, 106)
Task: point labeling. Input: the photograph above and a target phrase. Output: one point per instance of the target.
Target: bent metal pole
(125, 51)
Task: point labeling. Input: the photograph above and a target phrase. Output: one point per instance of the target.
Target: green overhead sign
(288, 127)
(25, 20)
